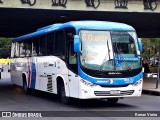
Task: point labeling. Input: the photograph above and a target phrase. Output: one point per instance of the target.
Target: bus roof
(95, 25)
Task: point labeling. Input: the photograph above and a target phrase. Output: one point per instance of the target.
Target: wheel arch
(24, 77)
(60, 80)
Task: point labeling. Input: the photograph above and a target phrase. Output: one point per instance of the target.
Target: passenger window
(22, 49)
(29, 47)
(42, 43)
(16, 54)
(59, 43)
(13, 50)
(35, 46)
(50, 44)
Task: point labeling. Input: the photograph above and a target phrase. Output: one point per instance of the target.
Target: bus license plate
(115, 92)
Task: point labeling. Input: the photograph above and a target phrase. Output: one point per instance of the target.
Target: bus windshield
(109, 50)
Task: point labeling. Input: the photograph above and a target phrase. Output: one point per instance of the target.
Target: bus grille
(107, 93)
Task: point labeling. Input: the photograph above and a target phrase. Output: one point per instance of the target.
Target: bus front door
(73, 71)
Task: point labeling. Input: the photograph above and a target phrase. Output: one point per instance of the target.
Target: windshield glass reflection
(109, 50)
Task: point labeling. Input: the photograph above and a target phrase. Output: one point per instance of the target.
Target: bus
(79, 59)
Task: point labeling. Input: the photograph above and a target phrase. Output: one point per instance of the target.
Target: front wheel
(64, 98)
(25, 87)
(112, 100)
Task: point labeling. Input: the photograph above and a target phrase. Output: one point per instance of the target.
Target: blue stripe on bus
(106, 81)
(33, 74)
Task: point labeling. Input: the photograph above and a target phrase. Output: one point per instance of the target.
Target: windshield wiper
(104, 61)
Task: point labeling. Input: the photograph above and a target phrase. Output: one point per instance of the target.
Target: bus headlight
(87, 83)
(138, 82)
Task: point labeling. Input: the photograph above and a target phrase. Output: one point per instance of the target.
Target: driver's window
(72, 55)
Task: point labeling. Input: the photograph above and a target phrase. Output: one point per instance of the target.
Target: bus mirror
(77, 43)
(140, 44)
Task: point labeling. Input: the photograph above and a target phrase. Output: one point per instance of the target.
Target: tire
(25, 87)
(64, 98)
(112, 100)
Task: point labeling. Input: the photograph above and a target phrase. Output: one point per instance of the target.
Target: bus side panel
(13, 71)
(61, 70)
(42, 72)
(48, 69)
(73, 84)
(18, 66)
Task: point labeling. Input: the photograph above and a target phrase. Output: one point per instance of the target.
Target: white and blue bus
(79, 59)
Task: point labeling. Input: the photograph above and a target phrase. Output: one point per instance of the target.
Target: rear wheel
(112, 100)
(25, 87)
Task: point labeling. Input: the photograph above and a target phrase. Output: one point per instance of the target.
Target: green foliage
(5, 47)
(150, 43)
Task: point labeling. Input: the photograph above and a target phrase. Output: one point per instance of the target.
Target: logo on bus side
(110, 81)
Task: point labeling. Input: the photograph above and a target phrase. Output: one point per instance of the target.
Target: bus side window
(59, 43)
(16, 54)
(42, 43)
(72, 55)
(13, 50)
(50, 44)
(29, 47)
(22, 49)
(35, 51)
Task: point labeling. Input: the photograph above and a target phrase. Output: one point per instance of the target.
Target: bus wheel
(25, 88)
(64, 98)
(112, 100)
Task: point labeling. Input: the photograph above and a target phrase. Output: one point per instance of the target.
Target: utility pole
(158, 71)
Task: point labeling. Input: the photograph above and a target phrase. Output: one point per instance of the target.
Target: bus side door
(73, 71)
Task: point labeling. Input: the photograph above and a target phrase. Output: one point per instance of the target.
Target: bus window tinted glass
(72, 54)
(22, 49)
(42, 42)
(13, 50)
(35, 46)
(50, 43)
(16, 54)
(59, 43)
(29, 47)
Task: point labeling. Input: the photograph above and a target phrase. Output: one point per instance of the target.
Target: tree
(5, 47)
(151, 44)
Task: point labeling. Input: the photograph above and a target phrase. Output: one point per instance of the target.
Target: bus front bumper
(94, 92)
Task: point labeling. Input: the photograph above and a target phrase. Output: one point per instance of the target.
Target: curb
(151, 92)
